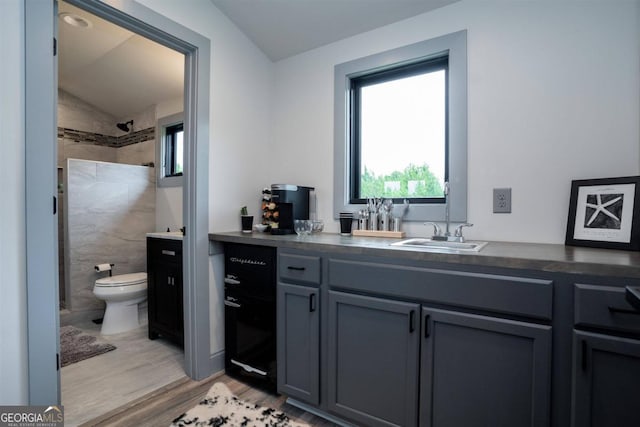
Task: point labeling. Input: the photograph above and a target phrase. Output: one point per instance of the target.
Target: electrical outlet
(501, 200)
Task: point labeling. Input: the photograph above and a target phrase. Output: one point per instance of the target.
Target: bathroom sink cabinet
(164, 276)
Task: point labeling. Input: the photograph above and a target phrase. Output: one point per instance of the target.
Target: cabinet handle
(167, 252)
(427, 332)
(295, 268)
(614, 310)
(312, 303)
(231, 280)
(412, 314)
(584, 350)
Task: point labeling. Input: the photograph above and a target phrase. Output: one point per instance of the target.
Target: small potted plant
(246, 220)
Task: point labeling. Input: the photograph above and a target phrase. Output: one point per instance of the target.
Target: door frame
(41, 166)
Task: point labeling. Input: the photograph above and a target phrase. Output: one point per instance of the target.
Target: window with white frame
(400, 128)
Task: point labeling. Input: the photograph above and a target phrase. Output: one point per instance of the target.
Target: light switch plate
(501, 200)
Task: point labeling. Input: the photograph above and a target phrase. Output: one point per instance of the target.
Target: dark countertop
(534, 256)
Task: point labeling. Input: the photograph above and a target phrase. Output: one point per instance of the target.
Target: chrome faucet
(446, 236)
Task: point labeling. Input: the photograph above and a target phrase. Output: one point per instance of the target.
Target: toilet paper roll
(103, 267)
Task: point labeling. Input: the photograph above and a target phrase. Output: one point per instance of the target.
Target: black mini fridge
(250, 313)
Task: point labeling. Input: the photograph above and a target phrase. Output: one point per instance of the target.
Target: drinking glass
(299, 226)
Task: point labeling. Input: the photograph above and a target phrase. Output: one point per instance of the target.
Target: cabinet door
(373, 360)
(606, 381)
(483, 371)
(298, 325)
(165, 307)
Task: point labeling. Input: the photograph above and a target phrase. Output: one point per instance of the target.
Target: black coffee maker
(292, 203)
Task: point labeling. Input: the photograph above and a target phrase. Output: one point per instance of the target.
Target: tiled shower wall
(87, 133)
(110, 207)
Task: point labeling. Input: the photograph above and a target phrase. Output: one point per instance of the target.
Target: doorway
(41, 188)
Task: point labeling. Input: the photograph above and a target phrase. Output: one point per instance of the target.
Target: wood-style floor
(160, 408)
(137, 367)
(142, 383)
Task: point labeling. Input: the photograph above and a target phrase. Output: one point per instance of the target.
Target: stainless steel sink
(437, 245)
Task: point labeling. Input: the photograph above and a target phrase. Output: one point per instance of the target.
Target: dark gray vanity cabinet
(298, 326)
(298, 344)
(482, 351)
(373, 359)
(164, 289)
(518, 335)
(483, 371)
(606, 358)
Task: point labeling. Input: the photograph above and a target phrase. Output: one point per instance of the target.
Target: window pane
(173, 150)
(178, 158)
(402, 137)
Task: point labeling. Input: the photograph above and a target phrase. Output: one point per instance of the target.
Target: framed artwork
(605, 213)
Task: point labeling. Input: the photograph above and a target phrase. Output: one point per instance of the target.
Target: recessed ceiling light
(75, 20)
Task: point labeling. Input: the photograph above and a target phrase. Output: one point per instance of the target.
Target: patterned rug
(76, 346)
(221, 408)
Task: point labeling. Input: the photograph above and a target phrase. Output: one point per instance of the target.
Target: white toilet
(122, 294)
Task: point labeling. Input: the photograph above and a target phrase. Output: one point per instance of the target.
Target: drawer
(299, 268)
(519, 296)
(605, 307)
(164, 250)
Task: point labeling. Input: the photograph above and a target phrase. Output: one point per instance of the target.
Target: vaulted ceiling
(122, 73)
(283, 28)
(113, 69)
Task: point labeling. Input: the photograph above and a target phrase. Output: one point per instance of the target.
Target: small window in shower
(173, 150)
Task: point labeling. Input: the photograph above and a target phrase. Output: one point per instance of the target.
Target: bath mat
(76, 346)
(221, 408)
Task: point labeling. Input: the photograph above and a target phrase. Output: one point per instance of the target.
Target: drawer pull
(616, 310)
(170, 253)
(427, 332)
(312, 303)
(295, 268)
(632, 295)
(412, 327)
(230, 279)
(249, 368)
(584, 349)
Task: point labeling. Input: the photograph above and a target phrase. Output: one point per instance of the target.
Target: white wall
(553, 96)
(240, 91)
(13, 317)
(241, 82)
